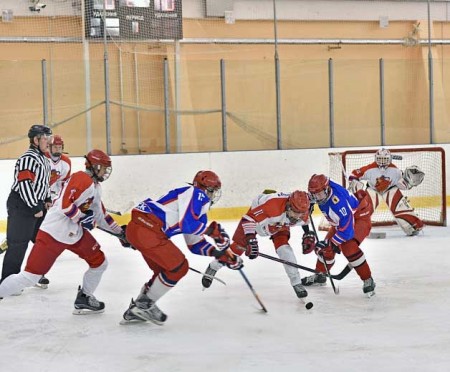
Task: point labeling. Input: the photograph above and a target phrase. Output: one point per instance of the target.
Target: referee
(29, 198)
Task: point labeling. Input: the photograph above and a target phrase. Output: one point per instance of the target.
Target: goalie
(385, 181)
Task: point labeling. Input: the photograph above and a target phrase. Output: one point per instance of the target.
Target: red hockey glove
(229, 258)
(220, 236)
(308, 242)
(325, 248)
(252, 249)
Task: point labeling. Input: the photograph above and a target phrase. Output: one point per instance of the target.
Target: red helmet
(298, 206)
(57, 141)
(299, 201)
(319, 188)
(210, 183)
(95, 160)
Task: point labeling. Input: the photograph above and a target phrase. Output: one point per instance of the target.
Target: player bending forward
(384, 181)
(154, 222)
(66, 226)
(349, 216)
(270, 215)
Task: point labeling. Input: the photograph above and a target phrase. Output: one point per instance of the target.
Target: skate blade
(132, 321)
(41, 286)
(87, 311)
(142, 316)
(370, 294)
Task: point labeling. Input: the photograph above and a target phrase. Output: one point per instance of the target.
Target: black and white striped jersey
(32, 177)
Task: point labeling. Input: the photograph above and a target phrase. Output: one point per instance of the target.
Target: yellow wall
(250, 87)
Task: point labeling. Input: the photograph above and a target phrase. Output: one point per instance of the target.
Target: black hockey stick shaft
(190, 268)
(339, 276)
(323, 258)
(263, 308)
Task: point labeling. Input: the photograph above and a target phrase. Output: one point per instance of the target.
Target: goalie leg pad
(403, 213)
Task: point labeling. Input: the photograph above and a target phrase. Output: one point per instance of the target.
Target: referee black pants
(21, 228)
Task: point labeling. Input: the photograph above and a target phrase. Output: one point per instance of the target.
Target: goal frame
(395, 151)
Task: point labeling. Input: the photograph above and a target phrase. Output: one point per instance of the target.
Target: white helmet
(383, 158)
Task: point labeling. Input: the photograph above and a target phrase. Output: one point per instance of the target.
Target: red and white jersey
(60, 172)
(380, 179)
(79, 194)
(267, 215)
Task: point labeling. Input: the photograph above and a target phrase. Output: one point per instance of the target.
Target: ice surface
(405, 327)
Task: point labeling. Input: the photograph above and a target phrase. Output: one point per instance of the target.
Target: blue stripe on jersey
(202, 248)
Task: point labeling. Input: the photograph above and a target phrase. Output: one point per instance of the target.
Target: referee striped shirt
(32, 177)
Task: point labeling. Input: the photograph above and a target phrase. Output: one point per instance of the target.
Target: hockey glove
(123, 238)
(308, 242)
(325, 248)
(229, 258)
(252, 249)
(220, 236)
(87, 221)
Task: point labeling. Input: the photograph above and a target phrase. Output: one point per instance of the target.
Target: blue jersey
(183, 211)
(339, 211)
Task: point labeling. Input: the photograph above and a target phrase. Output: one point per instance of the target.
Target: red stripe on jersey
(26, 175)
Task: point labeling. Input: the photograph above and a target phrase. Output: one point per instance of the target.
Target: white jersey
(79, 194)
(60, 172)
(380, 179)
(267, 215)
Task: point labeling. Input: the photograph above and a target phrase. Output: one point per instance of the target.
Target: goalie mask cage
(428, 199)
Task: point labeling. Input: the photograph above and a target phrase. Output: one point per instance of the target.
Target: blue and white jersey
(339, 211)
(183, 211)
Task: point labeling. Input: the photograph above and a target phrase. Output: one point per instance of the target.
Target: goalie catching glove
(220, 236)
(413, 176)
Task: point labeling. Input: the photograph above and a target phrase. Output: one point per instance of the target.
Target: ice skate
(43, 282)
(206, 280)
(315, 279)
(300, 291)
(85, 304)
(129, 317)
(369, 287)
(145, 309)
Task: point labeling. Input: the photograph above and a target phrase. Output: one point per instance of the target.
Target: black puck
(309, 305)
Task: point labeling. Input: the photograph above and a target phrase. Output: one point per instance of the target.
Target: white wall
(243, 174)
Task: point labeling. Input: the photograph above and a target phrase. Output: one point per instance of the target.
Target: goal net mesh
(428, 199)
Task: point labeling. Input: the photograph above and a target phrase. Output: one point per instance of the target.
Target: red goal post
(428, 199)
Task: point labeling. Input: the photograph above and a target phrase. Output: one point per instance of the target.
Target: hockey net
(428, 199)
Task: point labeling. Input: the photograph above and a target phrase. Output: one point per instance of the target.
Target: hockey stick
(339, 276)
(118, 213)
(190, 268)
(263, 308)
(336, 291)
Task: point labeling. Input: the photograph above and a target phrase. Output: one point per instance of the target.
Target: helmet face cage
(57, 141)
(96, 160)
(383, 158)
(319, 188)
(210, 183)
(297, 207)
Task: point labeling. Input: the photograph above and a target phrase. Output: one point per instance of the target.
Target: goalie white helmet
(383, 158)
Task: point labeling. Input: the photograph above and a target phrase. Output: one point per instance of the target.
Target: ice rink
(405, 327)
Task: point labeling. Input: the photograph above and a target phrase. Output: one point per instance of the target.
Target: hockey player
(385, 181)
(271, 214)
(66, 227)
(153, 224)
(349, 216)
(60, 165)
